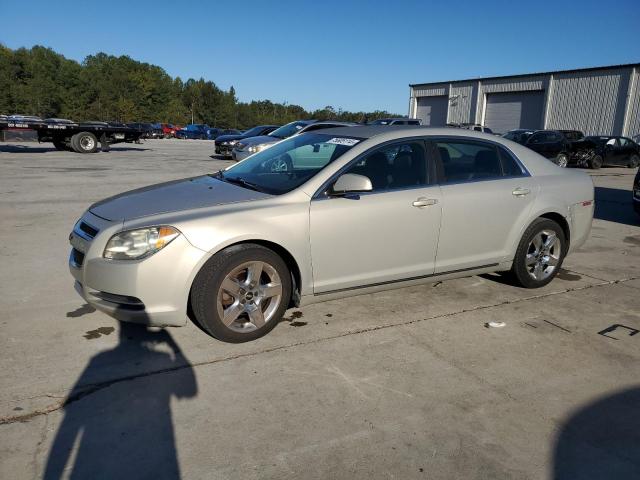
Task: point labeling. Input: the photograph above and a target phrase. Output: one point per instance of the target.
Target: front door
(386, 235)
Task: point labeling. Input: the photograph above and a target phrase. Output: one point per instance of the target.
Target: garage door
(506, 111)
(433, 110)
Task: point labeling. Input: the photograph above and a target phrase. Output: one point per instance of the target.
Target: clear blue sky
(357, 55)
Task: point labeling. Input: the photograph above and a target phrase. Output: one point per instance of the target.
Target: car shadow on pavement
(601, 440)
(39, 149)
(123, 428)
(615, 205)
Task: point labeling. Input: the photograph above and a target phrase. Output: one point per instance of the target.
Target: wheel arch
(289, 260)
(560, 220)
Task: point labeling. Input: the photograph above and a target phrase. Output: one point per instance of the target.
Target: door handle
(521, 192)
(424, 202)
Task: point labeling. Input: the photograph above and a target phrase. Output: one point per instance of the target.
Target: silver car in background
(324, 215)
(252, 145)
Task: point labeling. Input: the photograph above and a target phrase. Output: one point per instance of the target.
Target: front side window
(396, 166)
(288, 164)
(624, 142)
(464, 161)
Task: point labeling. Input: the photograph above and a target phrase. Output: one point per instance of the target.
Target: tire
(634, 161)
(596, 162)
(251, 311)
(84, 142)
(562, 160)
(523, 270)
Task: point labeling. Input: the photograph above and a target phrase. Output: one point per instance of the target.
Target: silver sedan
(325, 215)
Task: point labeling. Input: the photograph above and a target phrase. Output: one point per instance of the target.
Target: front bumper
(152, 291)
(238, 155)
(223, 149)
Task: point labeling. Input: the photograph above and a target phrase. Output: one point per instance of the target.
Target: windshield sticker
(349, 142)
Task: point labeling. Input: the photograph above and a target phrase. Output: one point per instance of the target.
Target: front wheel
(241, 293)
(540, 254)
(634, 161)
(562, 160)
(596, 162)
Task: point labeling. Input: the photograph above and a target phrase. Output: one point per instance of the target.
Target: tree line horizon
(39, 81)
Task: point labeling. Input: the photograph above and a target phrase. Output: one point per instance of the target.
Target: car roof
(370, 131)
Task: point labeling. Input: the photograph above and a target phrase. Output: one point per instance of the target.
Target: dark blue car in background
(198, 131)
(202, 131)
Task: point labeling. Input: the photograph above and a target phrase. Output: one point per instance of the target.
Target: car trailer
(78, 137)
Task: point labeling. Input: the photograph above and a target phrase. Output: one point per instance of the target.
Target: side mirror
(316, 148)
(351, 183)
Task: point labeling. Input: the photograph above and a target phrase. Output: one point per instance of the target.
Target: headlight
(136, 244)
(232, 142)
(258, 148)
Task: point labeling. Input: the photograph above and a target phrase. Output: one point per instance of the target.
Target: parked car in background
(156, 131)
(396, 121)
(199, 131)
(551, 144)
(636, 193)
(249, 146)
(225, 143)
(476, 127)
(168, 130)
(614, 150)
(145, 128)
(519, 135)
(324, 215)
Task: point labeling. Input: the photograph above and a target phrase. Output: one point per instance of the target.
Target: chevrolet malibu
(324, 215)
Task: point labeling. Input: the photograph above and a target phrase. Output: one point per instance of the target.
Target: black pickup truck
(80, 137)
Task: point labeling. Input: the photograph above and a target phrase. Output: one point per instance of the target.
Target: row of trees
(39, 81)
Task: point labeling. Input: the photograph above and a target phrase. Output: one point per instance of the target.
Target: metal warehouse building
(601, 100)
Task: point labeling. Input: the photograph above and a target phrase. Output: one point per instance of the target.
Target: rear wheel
(634, 161)
(84, 142)
(241, 293)
(562, 160)
(595, 162)
(540, 254)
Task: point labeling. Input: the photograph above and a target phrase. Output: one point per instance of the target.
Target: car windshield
(289, 129)
(288, 164)
(519, 136)
(253, 132)
(382, 121)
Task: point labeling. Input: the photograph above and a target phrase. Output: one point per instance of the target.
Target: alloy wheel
(249, 296)
(562, 160)
(543, 254)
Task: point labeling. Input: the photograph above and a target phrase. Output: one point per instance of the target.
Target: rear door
(486, 198)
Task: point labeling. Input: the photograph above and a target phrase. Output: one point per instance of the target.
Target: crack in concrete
(90, 389)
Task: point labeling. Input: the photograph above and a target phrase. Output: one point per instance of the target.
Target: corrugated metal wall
(462, 96)
(593, 102)
(632, 126)
(604, 101)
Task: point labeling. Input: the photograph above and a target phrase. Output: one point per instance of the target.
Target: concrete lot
(403, 384)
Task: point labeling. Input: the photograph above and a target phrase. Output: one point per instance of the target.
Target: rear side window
(467, 160)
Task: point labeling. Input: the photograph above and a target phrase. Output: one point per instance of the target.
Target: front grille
(88, 229)
(77, 257)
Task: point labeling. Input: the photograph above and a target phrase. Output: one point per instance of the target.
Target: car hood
(179, 195)
(228, 138)
(261, 140)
